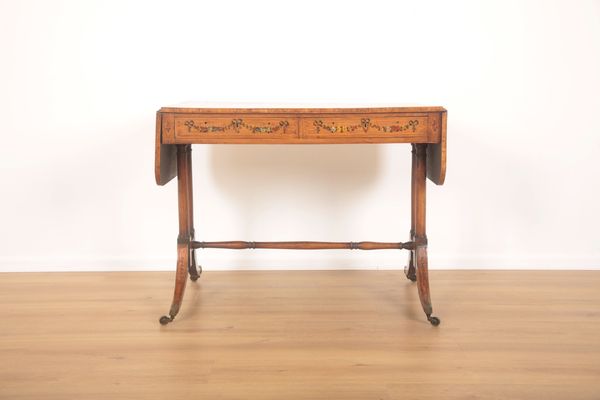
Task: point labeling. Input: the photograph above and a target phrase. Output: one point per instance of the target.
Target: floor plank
(301, 335)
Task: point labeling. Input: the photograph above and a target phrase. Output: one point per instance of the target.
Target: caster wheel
(165, 320)
(412, 278)
(435, 321)
(194, 278)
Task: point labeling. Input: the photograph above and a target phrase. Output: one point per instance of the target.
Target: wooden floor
(301, 335)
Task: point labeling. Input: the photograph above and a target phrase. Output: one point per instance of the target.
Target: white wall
(80, 82)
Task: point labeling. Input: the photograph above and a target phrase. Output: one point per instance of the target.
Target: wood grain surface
(239, 108)
(203, 124)
(301, 335)
(165, 167)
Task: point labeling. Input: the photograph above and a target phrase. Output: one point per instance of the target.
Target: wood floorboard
(301, 335)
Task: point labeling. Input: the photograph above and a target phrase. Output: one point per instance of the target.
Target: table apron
(297, 129)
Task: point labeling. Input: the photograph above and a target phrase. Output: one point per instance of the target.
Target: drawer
(189, 127)
(409, 128)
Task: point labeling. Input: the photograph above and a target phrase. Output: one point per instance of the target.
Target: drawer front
(234, 127)
(409, 127)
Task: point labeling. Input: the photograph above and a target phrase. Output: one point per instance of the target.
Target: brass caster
(435, 321)
(165, 320)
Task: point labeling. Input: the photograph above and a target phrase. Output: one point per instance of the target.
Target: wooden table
(177, 128)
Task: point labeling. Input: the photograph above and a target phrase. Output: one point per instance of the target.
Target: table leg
(183, 240)
(192, 268)
(409, 269)
(420, 256)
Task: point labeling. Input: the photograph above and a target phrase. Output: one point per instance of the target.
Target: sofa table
(177, 128)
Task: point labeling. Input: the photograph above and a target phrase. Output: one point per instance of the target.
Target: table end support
(420, 262)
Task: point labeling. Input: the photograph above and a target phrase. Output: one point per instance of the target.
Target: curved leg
(420, 236)
(423, 284)
(409, 269)
(192, 269)
(183, 240)
(183, 260)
